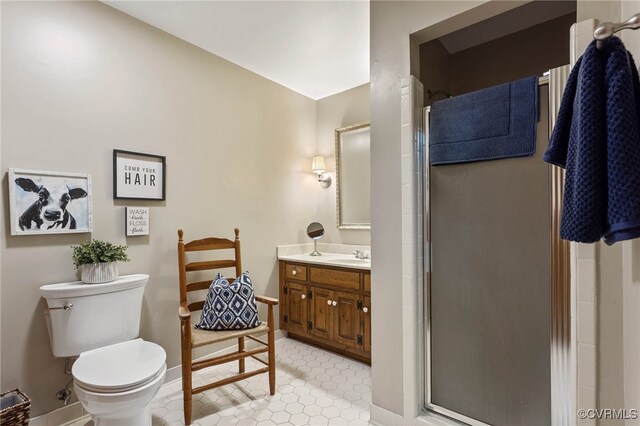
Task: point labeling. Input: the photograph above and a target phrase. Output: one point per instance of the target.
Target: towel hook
(604, 31)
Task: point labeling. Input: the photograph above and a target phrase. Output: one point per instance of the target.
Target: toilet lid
(119, 367)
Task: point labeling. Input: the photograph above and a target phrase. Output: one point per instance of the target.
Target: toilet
(116, 374)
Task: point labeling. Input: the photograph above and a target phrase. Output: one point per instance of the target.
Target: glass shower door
(489, 287)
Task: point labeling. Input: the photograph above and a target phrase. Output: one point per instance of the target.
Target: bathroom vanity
(326, 301)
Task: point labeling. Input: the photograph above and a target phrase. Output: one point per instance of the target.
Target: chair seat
(204, 337)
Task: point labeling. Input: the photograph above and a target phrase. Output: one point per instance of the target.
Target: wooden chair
(192, 337)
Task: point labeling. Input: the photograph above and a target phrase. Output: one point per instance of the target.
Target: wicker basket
(14, 408)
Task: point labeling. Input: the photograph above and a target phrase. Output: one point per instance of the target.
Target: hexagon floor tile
(312, 389)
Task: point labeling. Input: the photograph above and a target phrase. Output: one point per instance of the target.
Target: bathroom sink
(353, 261)
(335, 259)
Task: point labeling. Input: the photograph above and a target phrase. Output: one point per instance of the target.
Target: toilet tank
(96, 315)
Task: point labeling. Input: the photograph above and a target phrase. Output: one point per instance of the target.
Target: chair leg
(186, 380)
(240, 349)
(272, 353)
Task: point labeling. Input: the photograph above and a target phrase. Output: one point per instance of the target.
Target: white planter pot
(96, 273)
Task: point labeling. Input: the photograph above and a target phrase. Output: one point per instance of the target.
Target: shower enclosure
(496, 284)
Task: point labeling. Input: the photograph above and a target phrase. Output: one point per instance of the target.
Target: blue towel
(597, 139)
(498, 122)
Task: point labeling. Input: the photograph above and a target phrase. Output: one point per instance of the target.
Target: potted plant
(98, 261)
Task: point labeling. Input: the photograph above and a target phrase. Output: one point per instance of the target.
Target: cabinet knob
(365, 310)
(328, 302)
(294, 272)
(334, 303)
(304, 296)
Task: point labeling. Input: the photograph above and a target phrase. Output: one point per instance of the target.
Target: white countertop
(332, 255)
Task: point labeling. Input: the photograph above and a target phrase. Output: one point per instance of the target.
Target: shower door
(489, 245)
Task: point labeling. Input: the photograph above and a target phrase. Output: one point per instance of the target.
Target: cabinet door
(321, 312)
(366, 313)
(296, 307)
(346, 319)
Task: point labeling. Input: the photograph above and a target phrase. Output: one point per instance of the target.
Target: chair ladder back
(209, 244)
(182, 269)
(203, 285)
(191, 338)
(198, 285)
(205, 244)
(210, 264)
(196, 306)
(237, 250)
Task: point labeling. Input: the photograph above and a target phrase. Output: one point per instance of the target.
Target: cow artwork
(56, 212)
(49, 203)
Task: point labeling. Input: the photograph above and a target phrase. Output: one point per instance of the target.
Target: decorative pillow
(230, 306)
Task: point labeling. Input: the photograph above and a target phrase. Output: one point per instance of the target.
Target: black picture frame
(124, 191)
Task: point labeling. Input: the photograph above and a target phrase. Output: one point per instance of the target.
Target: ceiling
(314, 48)
(520, 18)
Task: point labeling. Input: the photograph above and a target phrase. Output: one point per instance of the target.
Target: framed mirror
(353, 192)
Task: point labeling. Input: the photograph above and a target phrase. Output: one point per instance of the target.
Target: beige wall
(394, 56)
(80, 79)
(610, 367)
(344, 109)
(631, 262)
(631, 265)
(618, 281)
(603, 10)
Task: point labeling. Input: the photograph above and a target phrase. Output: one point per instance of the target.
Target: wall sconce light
(318, 167)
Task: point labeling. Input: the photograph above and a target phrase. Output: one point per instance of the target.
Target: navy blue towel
(498, 122)
(597, 139)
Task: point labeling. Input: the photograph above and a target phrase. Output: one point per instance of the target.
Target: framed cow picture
(138, 176)
(42, 202)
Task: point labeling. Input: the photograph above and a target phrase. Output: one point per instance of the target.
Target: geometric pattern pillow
(230, 306)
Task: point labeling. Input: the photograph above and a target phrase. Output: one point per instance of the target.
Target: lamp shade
(317, 164)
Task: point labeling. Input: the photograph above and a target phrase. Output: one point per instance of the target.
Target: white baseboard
(434, 419)
(74, 412)
(67, 414)
(383, 417)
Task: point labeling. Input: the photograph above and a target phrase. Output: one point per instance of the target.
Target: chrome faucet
(362, 255)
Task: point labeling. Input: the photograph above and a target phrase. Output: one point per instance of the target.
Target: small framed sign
(137, 221)
(138, 176)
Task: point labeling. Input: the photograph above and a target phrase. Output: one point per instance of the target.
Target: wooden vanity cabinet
(347, 329)
(321, 324)
(295, 307)
(331, 308)
(366, 314)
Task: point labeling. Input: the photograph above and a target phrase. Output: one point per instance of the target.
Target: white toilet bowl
(117, 383)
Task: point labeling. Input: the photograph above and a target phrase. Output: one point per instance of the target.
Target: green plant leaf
(97, 251)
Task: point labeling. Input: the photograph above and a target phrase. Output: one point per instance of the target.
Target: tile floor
(314, 387)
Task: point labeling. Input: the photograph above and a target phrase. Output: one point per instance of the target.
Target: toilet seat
(119, 368)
